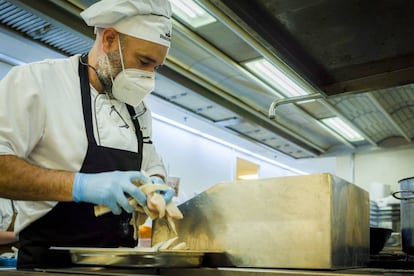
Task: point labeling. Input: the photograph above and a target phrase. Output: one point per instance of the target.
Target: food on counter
(156, 202)
(170, 244)
(180, 246)
(156, 208)
(138, 218)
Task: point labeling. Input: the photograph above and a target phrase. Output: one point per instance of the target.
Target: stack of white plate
(387, 216)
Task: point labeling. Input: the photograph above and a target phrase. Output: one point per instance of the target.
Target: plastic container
(144, 238)
(7, 262)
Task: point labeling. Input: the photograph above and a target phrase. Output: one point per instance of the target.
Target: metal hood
(358, 55)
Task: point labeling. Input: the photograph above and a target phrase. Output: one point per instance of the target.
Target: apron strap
(86, 98)
(138, 131)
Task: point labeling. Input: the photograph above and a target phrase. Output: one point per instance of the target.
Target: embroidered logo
(167, 36)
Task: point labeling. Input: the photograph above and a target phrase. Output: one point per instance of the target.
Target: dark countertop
(80, 271)
(208, 272)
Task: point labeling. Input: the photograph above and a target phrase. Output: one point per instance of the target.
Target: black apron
(74, 224)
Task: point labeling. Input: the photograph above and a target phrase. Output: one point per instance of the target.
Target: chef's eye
(143, 63)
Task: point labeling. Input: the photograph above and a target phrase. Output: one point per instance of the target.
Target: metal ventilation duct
(24, 19)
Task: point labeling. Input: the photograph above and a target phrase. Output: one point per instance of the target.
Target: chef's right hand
(110, 189)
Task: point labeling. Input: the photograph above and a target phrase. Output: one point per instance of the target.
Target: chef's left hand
(157, 180)
(167, 194)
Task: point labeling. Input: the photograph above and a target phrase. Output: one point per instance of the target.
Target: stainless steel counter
(81, 271)
(284, 272)
(210, 272)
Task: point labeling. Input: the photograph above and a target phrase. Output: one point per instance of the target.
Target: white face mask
(132, 85)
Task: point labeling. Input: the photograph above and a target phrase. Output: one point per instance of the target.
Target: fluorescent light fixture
(276, 78)
(248, 176)
(190, 12)
(343, 129)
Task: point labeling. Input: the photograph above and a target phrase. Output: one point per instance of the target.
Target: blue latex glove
(110, 189)
(157, 180)
(167, 194)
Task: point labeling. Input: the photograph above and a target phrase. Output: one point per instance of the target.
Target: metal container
(314, 222)
(132, 257)
(406, 195)
(378, 238)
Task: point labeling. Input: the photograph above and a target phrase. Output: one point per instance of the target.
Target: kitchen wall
(370, 170)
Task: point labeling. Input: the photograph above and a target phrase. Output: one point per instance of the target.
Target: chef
(75, 133)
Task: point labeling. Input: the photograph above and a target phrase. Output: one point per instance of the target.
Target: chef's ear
(109, 39)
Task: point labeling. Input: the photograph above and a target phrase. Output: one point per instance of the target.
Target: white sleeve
(21, 113)
(151, 161)
(6, 213)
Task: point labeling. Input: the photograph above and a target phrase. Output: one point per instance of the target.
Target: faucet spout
(277, 102)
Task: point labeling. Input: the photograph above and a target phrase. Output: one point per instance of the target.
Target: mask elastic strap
(110, 68)
(120, 53)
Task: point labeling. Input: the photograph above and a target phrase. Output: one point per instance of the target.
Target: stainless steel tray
(133, 257)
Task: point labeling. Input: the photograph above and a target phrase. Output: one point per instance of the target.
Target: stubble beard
(108, 66)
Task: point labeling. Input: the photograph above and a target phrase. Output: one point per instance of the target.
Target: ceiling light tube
(276, 78)
(343, 129)
(190, 10)
(191, 13)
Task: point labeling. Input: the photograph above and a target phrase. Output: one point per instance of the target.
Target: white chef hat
(145, 19)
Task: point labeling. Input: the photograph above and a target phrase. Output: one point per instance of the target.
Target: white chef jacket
(6, 213)
(41, 121)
